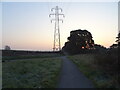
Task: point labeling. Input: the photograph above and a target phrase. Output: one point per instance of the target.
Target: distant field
(15, 54)
(100, 77)
(32, 73)
(7, 58)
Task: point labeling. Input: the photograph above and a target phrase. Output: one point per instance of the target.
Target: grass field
(85, 63)
(0, 70)
(0, 74)
(47, 55)
(32, 73)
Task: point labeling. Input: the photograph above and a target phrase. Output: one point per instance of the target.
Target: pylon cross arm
(51, 14)
(62, 15)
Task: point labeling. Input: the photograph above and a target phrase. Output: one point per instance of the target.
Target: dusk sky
(26, 25)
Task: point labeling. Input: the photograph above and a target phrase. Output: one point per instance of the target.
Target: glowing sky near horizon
(26, 25)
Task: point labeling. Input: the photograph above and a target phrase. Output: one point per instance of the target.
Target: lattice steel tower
(56, 45)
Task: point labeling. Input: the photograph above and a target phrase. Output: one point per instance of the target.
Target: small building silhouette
(7, 47)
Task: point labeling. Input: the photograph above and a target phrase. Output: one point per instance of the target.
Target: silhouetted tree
(79, 41)
(114, 46)
(118, 39)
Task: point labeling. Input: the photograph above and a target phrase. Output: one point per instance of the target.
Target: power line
(57, 44)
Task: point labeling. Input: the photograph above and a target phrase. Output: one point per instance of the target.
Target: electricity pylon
(56, 45)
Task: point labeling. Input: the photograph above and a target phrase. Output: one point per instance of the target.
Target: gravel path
(71, 77)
